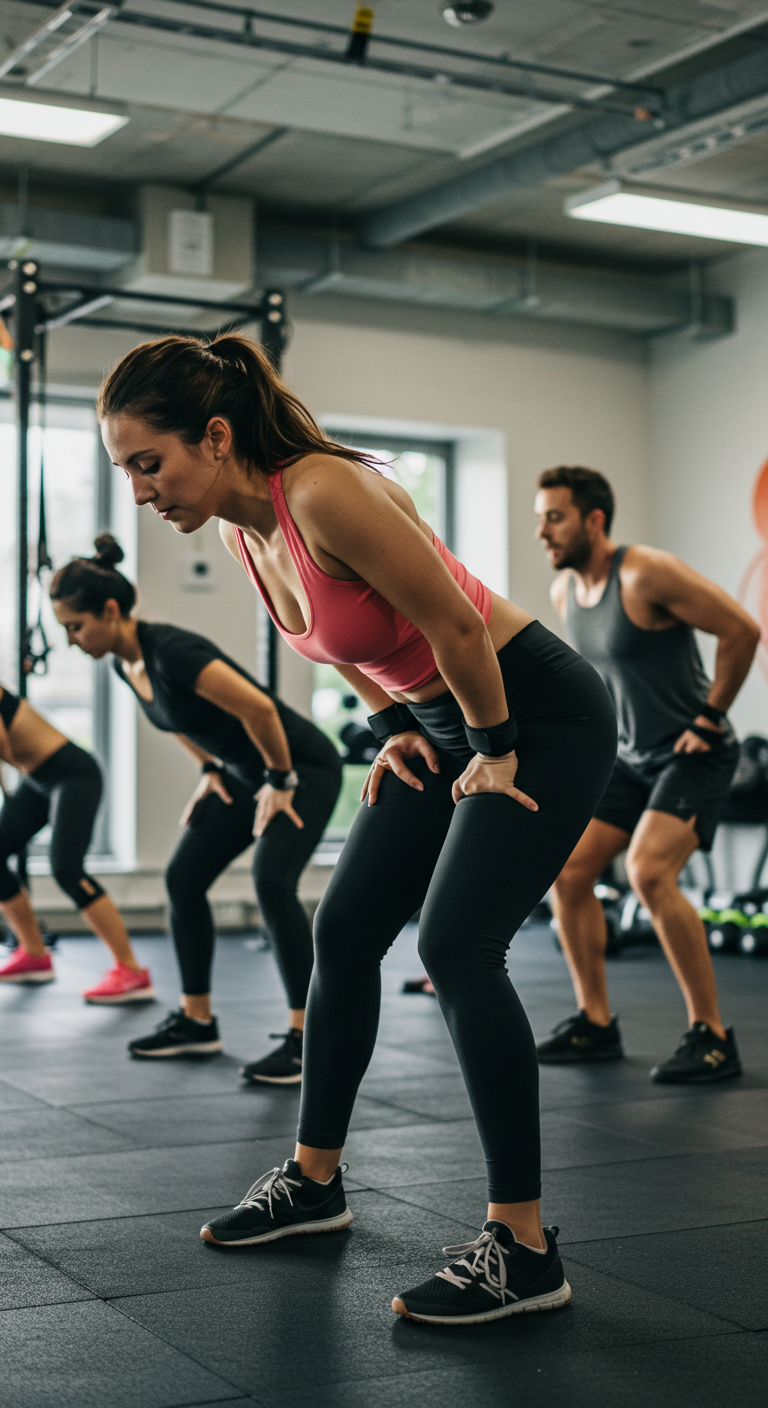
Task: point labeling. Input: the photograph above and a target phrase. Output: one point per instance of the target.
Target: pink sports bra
(352, 624)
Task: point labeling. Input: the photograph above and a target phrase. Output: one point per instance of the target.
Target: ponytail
(176, 385)
(90, 582)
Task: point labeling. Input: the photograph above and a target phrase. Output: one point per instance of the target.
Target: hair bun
(108, 551)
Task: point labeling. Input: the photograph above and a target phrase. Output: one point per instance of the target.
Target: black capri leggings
(478, 869)
(65, 790)
(216, 834)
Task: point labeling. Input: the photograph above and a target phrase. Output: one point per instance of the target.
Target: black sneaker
(280, 1067)
(494, 1276)
(578, 1039)
(283, 1203)
(700, 1058)
(178, 1035)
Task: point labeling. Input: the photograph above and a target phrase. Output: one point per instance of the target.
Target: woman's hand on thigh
(391, 758)
(491, 775)
(270, 801)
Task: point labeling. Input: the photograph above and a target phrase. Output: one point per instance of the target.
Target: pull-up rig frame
(37, 307)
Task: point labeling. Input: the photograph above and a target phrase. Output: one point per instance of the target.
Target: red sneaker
(120, 985)
(23, 967)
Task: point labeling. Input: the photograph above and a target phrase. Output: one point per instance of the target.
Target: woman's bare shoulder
(227, 535)
(321, 486)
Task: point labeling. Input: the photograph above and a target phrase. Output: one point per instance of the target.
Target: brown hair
(179, 383)
(90, 582)
(589, 489)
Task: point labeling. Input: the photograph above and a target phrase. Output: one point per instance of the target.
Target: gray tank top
(655, 678)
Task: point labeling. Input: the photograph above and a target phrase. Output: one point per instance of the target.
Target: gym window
(73, 693)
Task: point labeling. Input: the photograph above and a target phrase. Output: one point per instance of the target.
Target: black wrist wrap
(493, 742)
(210, 765)
(710, 735)
(396, 718)
(715, 716)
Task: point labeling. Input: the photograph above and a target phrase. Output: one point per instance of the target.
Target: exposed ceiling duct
(66, 239)
(496, 286)
(594, 140)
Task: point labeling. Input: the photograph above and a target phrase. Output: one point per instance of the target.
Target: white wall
(549, 394)
(709, 437)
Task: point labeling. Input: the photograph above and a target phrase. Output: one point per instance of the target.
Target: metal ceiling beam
(591, 141)
(508, 78)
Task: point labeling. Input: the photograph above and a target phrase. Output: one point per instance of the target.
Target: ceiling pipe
(596, 139)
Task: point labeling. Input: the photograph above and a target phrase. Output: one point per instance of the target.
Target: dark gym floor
(108, 1168)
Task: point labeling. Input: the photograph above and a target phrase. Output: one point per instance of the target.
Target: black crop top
(9, 703)
(174, 659)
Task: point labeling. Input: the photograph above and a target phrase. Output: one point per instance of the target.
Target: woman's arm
(224, 687)
(209, 782)
(349, 516)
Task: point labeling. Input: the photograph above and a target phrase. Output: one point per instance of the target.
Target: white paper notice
(190, 242)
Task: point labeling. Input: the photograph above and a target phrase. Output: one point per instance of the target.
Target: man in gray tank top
(632, 611)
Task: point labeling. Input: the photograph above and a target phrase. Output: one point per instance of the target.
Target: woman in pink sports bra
(496, 744)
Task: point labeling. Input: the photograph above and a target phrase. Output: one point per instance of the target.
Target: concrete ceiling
(356, 139)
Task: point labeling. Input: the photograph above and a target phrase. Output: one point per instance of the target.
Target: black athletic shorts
(682, 784)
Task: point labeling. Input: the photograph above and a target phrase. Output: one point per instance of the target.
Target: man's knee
(649, 875)
(575, 881)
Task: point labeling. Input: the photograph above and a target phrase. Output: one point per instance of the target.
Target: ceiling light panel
(43, 122)
(610, 205)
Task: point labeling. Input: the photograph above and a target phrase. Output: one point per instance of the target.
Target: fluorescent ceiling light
(610, 205)
(41, 122)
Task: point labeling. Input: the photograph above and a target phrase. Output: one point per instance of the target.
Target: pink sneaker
(23, 967)
(120, 985)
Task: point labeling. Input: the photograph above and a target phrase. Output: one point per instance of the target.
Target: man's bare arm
(676, 588)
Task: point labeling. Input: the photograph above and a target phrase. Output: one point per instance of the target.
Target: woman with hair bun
(266, 772)
(497, 742)
(61, 783)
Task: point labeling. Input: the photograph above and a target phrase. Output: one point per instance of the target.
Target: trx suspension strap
(37, 646)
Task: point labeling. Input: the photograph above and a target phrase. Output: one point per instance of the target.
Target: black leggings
(216, 834)
(478, 869)
(65, 790)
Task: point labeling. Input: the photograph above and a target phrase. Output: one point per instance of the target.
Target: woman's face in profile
(182, 483)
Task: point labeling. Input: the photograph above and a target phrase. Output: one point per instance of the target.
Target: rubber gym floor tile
(41, 1132)
(90, 1355)
(701, 1374)
(624, 1199)
(249, 1112)
(147, 1255)
(102, 1072)
(11, 1098)
(348, 1331)
(26, 1280)
(442, 1097)
(138, 1182)
(717, 1117)
(723, 1270)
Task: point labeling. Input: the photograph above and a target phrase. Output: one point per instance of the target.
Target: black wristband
(210, 765)
(396, 718)
(710, 735)
(493, 742)
(715, 716)
(280, 779)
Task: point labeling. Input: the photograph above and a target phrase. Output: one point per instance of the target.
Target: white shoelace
(271, 1185)
(487, 1261)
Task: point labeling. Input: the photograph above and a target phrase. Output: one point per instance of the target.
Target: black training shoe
(283, 1203)
(578, 1039)
(178, 1035)
(700, 1058)
(494, 1276)
(280, 1067)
